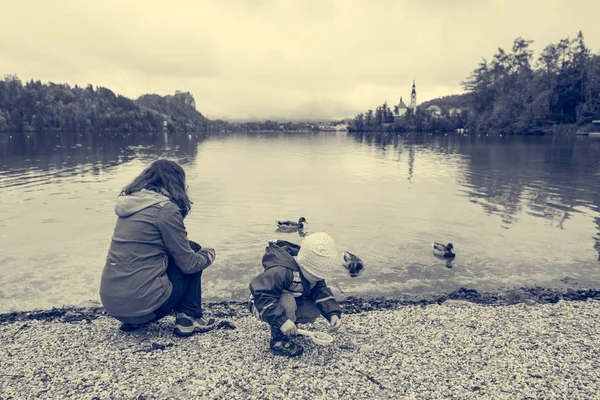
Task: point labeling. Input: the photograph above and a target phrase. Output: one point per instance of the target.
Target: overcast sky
(277, 58)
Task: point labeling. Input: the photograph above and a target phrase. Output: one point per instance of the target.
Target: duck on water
(291, 226)
(444, 252)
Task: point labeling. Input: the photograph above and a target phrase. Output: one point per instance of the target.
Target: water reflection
(30, 158)
(522, 210)
(542, 177)
(512, 177)
(547, 178)
(552, 178)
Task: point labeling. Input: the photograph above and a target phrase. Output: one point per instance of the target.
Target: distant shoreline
(556, 129)
(566, 129)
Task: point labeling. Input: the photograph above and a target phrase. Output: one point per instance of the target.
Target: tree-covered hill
(513, 93)
(41, 107)
(461, 101)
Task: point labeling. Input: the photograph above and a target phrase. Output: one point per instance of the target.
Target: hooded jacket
(278, 276)
(148, 231)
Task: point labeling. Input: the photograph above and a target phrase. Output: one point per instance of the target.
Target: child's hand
(289, 328)
(335, 323)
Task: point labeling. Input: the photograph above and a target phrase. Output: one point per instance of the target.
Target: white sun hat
(318, 255)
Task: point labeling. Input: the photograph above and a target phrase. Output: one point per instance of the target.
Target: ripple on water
(518, 210)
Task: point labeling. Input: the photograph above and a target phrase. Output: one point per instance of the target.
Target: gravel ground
(456, 349)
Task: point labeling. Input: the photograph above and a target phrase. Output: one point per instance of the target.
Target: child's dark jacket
(278, 276)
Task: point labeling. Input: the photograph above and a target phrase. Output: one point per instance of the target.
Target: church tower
(413, 98)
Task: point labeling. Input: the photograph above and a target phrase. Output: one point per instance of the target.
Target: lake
(520, 211)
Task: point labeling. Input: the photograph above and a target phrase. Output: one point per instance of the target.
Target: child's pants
(299, 310)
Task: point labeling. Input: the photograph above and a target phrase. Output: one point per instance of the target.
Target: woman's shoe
(187, 326)
(128, 327)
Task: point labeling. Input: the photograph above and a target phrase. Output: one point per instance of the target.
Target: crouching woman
(292, 289)
(152, 268)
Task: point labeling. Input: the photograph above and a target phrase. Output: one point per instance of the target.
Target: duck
(445, 251)
(353, 264)
(291, 225)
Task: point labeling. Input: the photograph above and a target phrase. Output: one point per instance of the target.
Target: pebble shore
(457, 349)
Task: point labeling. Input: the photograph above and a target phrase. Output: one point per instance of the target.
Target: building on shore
(434, 111)
(413, 98)
(401, 108)
(454, 111)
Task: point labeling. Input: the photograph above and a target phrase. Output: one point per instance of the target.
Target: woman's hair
(166, 175)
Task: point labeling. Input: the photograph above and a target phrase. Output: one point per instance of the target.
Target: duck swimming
(441, 250)
(291, 225)
(353, 264)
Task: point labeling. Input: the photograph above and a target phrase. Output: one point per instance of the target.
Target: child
(292, 289)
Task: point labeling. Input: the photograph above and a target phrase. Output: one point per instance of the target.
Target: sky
(277, 59)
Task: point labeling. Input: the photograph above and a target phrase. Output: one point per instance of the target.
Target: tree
(369, 119)
(513, 94)
(42, 107)
(16, 120)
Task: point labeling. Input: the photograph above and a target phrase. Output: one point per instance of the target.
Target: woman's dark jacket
(266, 288)
(149, 230)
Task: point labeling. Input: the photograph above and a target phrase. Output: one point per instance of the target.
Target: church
(401, 108)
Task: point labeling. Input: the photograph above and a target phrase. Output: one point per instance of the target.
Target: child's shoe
(187, 326)
(285, 347)
(281, 345)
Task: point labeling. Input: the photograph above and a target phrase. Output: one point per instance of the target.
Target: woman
(152, 268)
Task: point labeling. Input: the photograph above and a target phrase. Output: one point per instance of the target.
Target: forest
(512, 93)
(46, 107)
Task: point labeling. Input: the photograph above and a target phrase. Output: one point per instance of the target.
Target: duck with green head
(353, 264)
(444, 251)
(291, 226)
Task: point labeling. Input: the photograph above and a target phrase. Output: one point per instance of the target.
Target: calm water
(519, 210)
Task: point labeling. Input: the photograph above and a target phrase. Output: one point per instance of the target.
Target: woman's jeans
(186, 294)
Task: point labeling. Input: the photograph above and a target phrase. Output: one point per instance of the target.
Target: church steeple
(413, 98)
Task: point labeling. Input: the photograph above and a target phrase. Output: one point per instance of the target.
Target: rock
(225, 325)
(159, 346)
(272, 388)
(365, 348)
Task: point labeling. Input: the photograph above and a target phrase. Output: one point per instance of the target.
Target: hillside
(462, 101)
(513, 93)
(40, 107)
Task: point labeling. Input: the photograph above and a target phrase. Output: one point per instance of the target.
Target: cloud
(271, 58)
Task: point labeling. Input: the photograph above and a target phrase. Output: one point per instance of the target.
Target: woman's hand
(335, 323)
(210, 253)
(289, 328)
